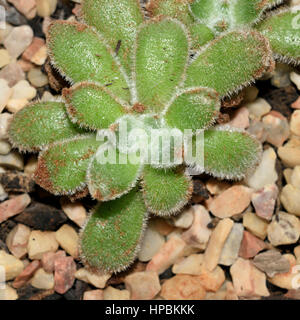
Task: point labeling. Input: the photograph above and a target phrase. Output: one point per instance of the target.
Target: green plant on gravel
(169, 71)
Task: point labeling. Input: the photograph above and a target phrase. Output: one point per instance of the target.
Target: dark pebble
(3, 246)
(42, 217)
(36, 25)
(76, 292)
(16, 182)
(14, 17)
(167, 274)
(5, 228)
(28, 292)
(200, 189)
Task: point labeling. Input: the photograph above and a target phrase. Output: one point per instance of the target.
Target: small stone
(75, 211)
(35, 52)
(212, 280)
(265, 173)
(5, 119)
(45, 8)
(5, 147)
(97, 280)
(190, 265)
(3, 194)
(26, 274)
(231, 202)
(41, 242)
(42, 217)
(64, 274)
(271, 262)
(258, 108)
(277, 128)
(248, 281)
(295, 122)
(111, 293)
(93, 295)
(8, 293)
(12, 160)
(142, 285)
(295, 77)
(151, 243)
(5, 93)
(250, 246)
(255, 225)
(17, 240)
(216, 187)
(167, 255)
(49, 258)
(198, 234)
(5, 58)
(26, 7)
(290, 154)
(216, 243)
(281, 78)
(250, 94)
(264, 201)
(183, 287)
(31, 165)
(287, 173)
(232, 245)
(295, 177)
(162, 226)
(14, 206)
(37, 78)
(16, 181)
(290, 198)
(25, 65)
(257, 129)
(18, 40)
(240, 118)
(12, 266)
(296, 104)
(184, 219)
(12, 73)
(42, 280)
(284, 229)
(68, 239)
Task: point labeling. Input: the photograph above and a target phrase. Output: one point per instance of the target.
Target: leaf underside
(110, 239)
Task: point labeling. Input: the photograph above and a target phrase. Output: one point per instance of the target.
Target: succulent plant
(168, 71)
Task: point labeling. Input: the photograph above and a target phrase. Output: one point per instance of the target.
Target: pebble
(250, 245)
(5, 93)
(248, 281)
(290, 153)
(97, 280)
(49, 258)
(170, 251)
(75, 211)
(31, 165)
(264, 201)
(184, 219)
(258, 108)
(295, 177)
(111, 293)
(212, 280)
(280, 77)
(232, 245)
(45, 8)
(64, 274)
(5, 32)
(41, 242)
(26, 274)
(257, 130)
(16, 181)
(240, 118)
(296, 104)
(290, 199)
(216, 187)
(18, 40)
(198, 234)
(36, 52)
(68, 239)
(271, 262)
(5, 119)
(5, 147)
(276, 127)
(93, 295)
(3, 194)
(26, 7)
(183, 287)
(151, 243)
(284, 229)
(189, 265)
(231, 202)
(162, 226)
(265, 173)
(14, 206)
(295, 122)
(12, 73)
(17, 240)
(287, 173)
(42, 280)
(5, 58)
(250, 94)
(12, 266)
(142, 285)
(25, 65)
(8, 293)
(12, 160)
(295, 77)
(216, 243)
(37, 78)
(255, 225)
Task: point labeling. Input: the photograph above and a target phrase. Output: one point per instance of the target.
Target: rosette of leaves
(125, 68)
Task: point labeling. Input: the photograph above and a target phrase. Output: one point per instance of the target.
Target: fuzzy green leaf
(40, 124)
(166, 191)
(118, 22)
(229, 154)
(92, 106)
(200, 35)
(108, 181)
(283, 32)
(161, 57)
(62, 166)
(81, 55)
(193, 109)
(250, 56)
(111, 237)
